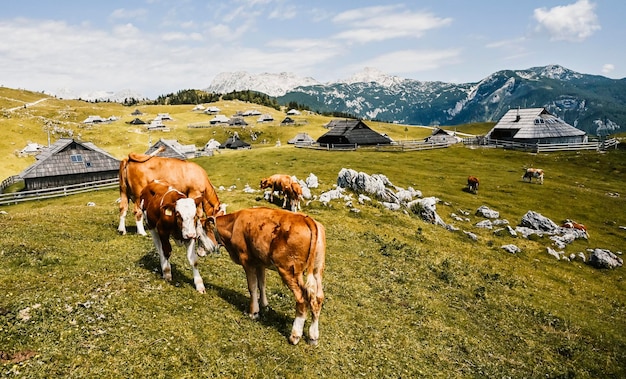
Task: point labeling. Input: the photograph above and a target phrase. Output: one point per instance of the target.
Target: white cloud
(608, 68)
(385, 22)
(575, 22)
(123, 13)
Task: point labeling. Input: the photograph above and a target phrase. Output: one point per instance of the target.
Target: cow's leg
(193, 261)
(139, 219)
(166, 268)
(315, 301)
(121, 228)
(260, 275)
(301, 306)
(253, 288)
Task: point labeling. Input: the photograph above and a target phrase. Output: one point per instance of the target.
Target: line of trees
(192, 96)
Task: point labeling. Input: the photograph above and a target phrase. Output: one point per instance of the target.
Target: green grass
(403, 298)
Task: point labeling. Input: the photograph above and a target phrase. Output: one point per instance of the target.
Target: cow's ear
(168, 210)
(210, 221)
(197, 200)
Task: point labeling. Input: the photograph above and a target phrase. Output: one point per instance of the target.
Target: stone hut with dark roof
(351, 132)
(68, 162)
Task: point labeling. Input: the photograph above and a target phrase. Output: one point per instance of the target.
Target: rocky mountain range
(592, 103)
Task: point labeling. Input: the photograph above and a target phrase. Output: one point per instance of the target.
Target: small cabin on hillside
(235, 143)
(535, 125)
(442, 136)
(351, 132)
(301, 139)
(173, 149)
(68, 162)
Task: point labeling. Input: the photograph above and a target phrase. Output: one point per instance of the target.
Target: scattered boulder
(511, 249)
(311, 181)
(536, 221)
(364, 198)
(248, 189)
(471, 235)
(487, 212)
(486, 224)
(554, 253)
(603, 258)
(337, 193)
(426, 208)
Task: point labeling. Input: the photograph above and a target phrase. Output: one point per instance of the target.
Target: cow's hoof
(313, 342)
(293, 339)
(201, 251)
(254, 316)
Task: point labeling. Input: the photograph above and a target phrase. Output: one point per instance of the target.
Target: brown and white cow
(531, 173)
(574, 225)
(137, 170)
(277, 182)
(472, 184)
(170, 213)
(258, 238)
(293, 194)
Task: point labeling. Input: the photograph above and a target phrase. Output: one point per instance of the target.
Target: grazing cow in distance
(531, 173)
(277, 182)
(294, 196)
(472, 184)
(258, 238)
(574, 225)
(137, 170)
(170, 213)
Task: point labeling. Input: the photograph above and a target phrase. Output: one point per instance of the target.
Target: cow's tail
(315, 263)
(123, 176)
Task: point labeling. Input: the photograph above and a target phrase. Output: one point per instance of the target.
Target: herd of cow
(177, 200)
(529, 174)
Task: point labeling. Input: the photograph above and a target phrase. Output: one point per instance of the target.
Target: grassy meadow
(404, 298)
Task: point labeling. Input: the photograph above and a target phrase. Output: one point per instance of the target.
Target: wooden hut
(535, 125)
(173, 149)
(351, 132)
(69, 162)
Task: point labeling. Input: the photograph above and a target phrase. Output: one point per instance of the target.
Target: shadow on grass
(268, 316)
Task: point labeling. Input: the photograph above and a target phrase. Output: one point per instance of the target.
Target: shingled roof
(534, 125)
(173, 149)
(348, 131)
(70, 157)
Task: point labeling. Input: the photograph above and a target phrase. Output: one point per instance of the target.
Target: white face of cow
(186, 210)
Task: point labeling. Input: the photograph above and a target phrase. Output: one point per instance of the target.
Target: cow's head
(210, 226)
(183, 213)
(265, 183)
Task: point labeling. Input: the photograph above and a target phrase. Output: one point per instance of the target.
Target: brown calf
(277, 182)
(169, 213)
(258, 238)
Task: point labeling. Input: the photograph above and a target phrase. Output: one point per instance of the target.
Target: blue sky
(156, 47)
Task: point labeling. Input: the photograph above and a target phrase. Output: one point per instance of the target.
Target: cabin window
(76, 158)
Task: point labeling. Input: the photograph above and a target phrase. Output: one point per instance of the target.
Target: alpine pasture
(404, 298)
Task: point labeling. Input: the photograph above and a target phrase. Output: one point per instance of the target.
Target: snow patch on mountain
(373, 75)
(117, 97)
(267, 83)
